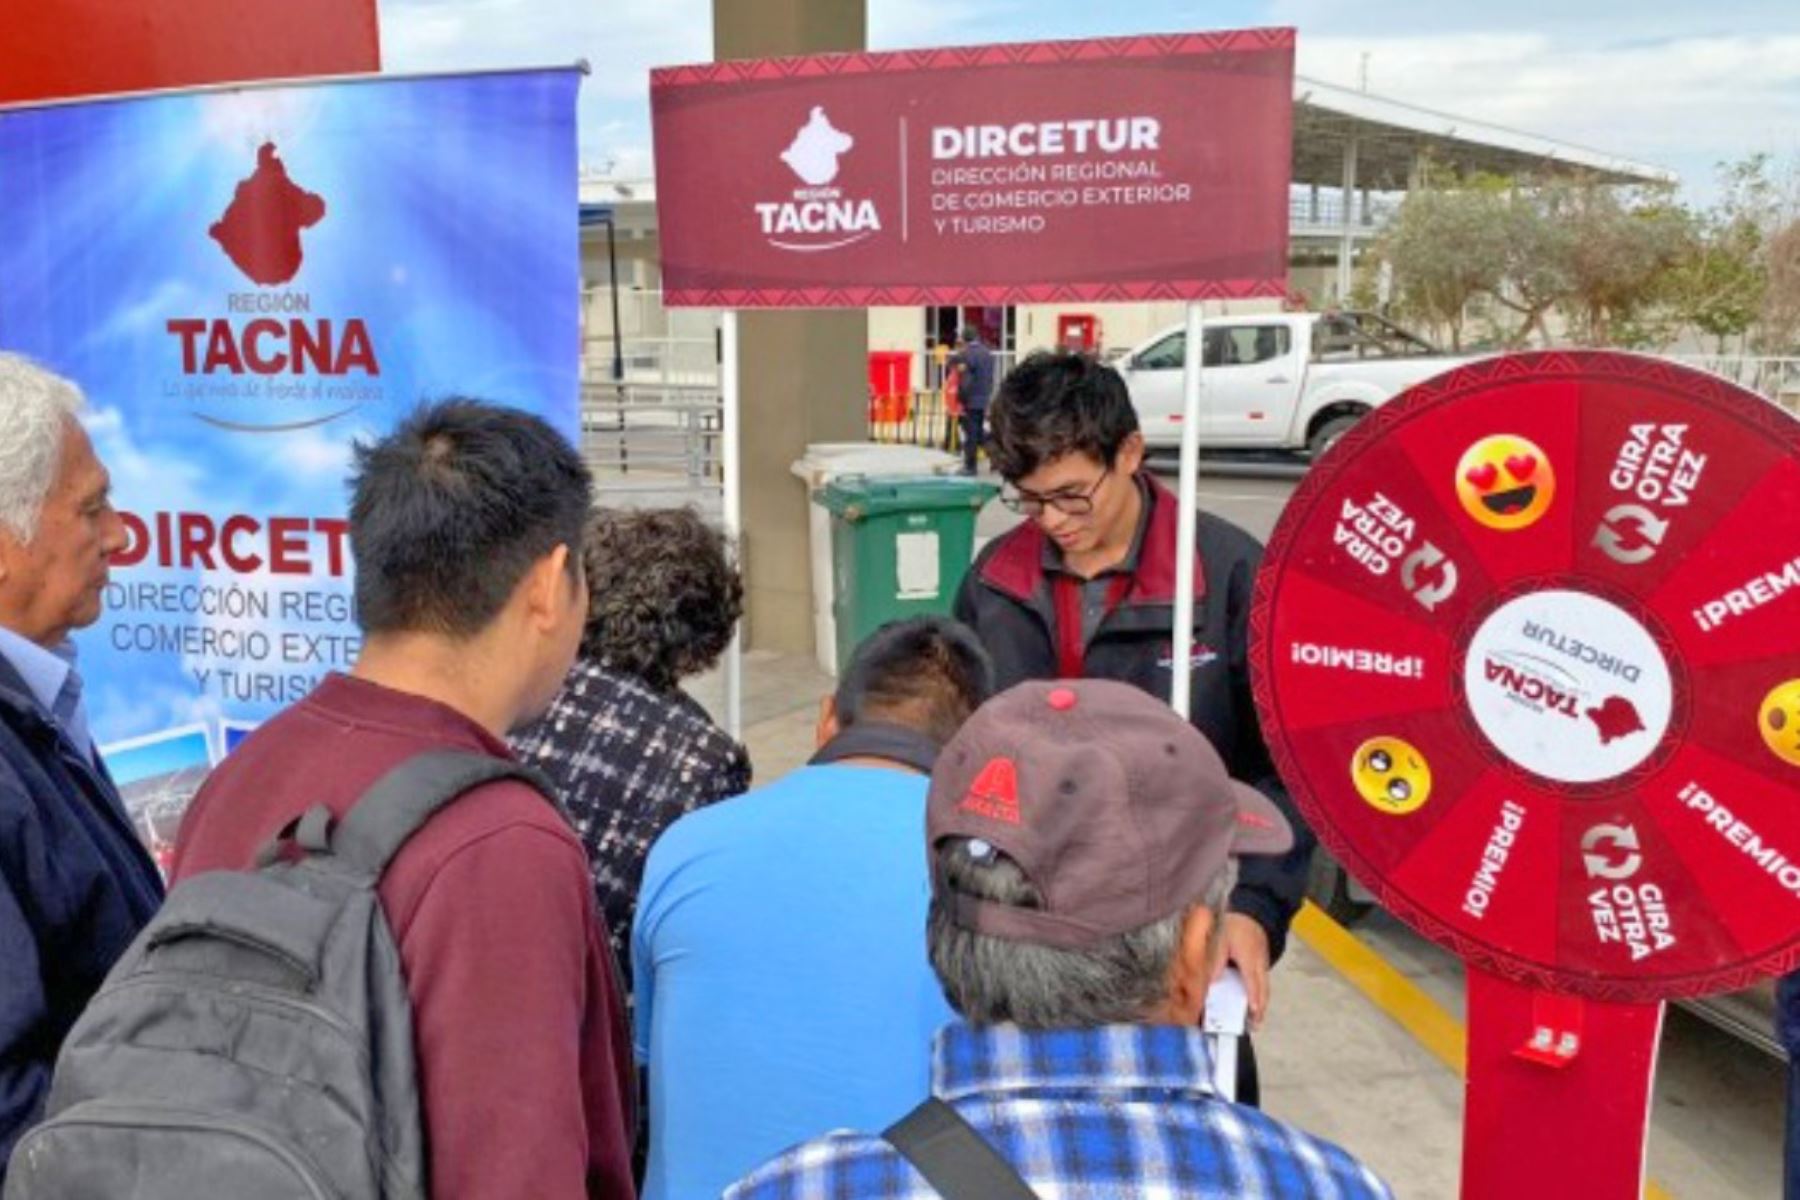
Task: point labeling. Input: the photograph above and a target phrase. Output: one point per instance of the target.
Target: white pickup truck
(1280, 381)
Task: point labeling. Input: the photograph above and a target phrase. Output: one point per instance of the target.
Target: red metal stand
(1558, 1099)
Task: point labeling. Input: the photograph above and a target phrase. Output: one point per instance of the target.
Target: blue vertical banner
(246, 282)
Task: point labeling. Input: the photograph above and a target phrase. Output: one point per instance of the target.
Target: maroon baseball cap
(1117, 810)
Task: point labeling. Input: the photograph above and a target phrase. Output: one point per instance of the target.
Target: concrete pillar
(802, 374)
(1346, 256)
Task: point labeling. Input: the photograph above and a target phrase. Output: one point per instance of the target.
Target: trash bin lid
(855, 497)
(825, 461)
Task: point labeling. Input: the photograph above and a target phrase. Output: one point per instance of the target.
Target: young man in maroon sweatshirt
(465, 524)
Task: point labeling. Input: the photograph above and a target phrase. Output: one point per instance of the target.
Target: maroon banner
(1151, 168)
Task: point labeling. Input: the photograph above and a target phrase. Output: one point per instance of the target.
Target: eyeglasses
(1074, 504)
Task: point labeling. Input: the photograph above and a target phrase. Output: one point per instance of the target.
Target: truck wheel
(1329, 432)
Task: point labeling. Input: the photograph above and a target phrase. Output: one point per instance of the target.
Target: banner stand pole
(1558, 1093)
(733, 504)
(1182, 636)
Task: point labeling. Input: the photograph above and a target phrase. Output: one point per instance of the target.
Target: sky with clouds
(1674, 83)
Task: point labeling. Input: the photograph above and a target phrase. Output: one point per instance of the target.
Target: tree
(1619, 247)
(1716, 287)
(1448, 246)
(1622, 266)
(1535, 275)
(1778, 324)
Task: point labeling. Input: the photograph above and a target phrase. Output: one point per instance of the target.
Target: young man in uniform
(1085, 588)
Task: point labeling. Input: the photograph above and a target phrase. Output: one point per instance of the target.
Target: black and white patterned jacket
(627, 761)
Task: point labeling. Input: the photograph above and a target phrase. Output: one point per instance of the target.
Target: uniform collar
(875, 739)
(44, 672)
(1015, 568)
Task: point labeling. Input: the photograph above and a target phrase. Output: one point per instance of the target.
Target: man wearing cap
(1085, 588)
(1083, 841)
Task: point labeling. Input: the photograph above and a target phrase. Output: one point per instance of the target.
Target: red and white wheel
(1526, 647)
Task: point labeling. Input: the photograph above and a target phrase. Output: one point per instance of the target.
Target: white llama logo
(813, 154)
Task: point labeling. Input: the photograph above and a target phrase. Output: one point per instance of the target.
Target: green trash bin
(900, 546)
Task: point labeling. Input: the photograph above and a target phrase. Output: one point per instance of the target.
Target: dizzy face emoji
(1505, 482)
(1391, 775)
(1779, 720)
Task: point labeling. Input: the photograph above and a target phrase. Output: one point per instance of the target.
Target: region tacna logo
(260, 231)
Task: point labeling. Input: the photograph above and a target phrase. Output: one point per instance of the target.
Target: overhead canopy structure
(1391, 137)
(1357, 143)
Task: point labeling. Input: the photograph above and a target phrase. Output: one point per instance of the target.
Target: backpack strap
(401, 801)
(953, 1158)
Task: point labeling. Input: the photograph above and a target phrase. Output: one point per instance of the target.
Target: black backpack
(256, 1039)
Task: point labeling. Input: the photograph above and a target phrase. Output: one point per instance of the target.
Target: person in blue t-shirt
(779, 947)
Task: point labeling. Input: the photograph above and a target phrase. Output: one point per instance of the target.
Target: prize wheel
(1526, 647)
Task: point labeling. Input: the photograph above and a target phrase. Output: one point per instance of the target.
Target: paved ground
(1336, 1063)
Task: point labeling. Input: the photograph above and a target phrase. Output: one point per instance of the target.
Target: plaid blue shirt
(1119, 1111)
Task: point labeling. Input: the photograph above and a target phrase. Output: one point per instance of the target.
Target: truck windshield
(1230, 346)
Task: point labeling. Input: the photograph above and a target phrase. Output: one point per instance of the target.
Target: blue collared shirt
(1122, 1110)
(54, 683)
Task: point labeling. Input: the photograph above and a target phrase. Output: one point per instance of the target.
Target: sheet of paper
(916, 568)
(1226, 1019)
(1227, 1005)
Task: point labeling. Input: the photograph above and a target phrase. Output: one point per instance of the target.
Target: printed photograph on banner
(299, 277)
(157, 777)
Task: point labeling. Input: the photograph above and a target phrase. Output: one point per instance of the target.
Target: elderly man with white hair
(75, 883)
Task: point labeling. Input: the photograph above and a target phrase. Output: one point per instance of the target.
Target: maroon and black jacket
(1012, 603)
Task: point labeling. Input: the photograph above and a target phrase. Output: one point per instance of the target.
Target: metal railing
(1776, 377)
(1325, 213)
(653, 444)
(921, 419)
(660, 361)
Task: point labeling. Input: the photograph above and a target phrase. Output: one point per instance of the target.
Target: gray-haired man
(1083, 841)
(75, 883)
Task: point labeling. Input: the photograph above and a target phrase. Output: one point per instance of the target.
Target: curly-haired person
(628, 750)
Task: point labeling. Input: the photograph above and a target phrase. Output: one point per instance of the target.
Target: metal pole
(1182, 637)
(728, 395)
(612, 270)
(1346, 246)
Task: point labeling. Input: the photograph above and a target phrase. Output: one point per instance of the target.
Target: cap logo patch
(995, 792)
(1255, 820)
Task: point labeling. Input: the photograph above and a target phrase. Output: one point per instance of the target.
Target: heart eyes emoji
(1505, 482)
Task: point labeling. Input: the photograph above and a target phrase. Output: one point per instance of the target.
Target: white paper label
(917, 565)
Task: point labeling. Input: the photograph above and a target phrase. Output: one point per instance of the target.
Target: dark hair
(1056, 403)
(926, 673)
(663, 595)
(451, 509)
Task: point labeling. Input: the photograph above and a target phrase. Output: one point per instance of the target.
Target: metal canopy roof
(1391, 136)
